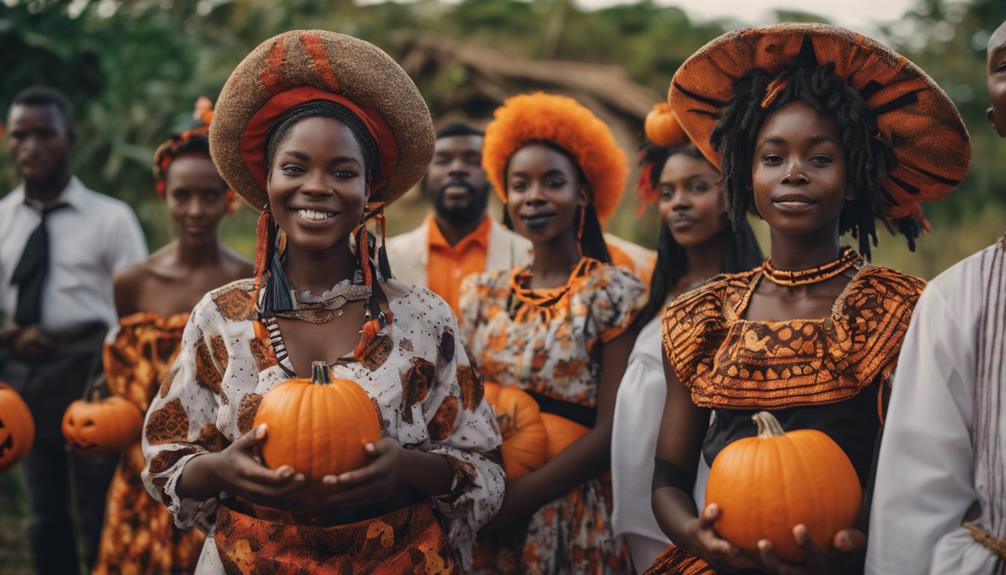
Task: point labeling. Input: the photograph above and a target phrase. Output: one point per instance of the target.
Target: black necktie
(29, 275)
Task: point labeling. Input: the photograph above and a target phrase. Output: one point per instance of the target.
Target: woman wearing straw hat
(320, 131)
(557, 329)
(821, 131)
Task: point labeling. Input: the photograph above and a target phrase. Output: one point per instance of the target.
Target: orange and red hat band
(253, 139)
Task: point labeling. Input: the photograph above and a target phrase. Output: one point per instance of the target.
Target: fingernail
(299, 477)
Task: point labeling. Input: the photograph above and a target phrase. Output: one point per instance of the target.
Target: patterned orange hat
(914, 116)
(305, 65)
(564, 122)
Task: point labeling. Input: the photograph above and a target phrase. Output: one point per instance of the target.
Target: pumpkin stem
(768, 425)
(320, 374)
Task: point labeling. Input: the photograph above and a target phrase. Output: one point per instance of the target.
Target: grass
(15, 558)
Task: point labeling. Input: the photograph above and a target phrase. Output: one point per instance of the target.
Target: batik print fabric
(139, 536)
(417, 374)
(827, 374)
(549, 342)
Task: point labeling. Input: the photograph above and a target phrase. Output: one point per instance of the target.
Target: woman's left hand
(517, 509)
(847, 556)
(377, 481)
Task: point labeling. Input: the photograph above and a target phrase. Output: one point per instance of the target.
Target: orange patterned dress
(139, 536)
(827, 374)
(548, 342)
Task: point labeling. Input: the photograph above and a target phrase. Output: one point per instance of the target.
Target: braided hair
(592, 243)
(757, 95)
(742, 251)
(325, 109)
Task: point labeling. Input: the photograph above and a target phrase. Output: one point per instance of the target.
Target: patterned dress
(548, 342)
(828, 374)
(139, 536)
(429, 398)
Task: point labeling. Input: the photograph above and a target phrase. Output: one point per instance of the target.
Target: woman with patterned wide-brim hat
(319, 132)
(820, 131)
(556, 329)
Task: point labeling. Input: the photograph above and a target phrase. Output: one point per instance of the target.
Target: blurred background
(133, 70)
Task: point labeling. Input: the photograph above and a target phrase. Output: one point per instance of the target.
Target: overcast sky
(859, 14)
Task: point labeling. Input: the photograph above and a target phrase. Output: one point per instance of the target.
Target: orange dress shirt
(448, 265)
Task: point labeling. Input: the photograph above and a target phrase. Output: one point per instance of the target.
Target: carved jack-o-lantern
(17, 428)
(102, 426)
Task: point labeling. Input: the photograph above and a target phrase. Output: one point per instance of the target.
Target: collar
(72, 195)
(479, 235)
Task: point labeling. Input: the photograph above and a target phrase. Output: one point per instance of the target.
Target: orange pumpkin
(318, 426)
(562, 433)
(102, 426)
(662, 127)
(17, 428)
(525, 440)
(769, 484)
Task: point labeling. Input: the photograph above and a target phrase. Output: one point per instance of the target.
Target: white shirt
(925, 483)
(89, 241)
(639, 408)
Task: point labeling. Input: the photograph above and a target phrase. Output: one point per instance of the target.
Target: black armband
(667, 474)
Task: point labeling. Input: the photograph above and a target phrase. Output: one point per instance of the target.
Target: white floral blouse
(417, 373)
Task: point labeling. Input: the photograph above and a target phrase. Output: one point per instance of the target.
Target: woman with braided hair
(820, 131)
(154, 298)
(319, 132)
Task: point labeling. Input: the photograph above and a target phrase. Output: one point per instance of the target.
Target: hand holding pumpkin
(378, 480)
(707, 544)
(847, 556)
(239, 469)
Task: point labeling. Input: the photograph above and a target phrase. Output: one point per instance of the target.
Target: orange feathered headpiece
(564, 122)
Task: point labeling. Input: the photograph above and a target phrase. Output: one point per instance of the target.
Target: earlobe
(990, 114)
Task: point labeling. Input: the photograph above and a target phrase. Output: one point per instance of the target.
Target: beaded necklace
(792, 278)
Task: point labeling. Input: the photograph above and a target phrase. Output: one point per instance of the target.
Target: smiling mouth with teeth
(314, 215)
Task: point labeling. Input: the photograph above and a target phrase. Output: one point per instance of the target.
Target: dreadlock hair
(324, 109)
(592, 243)
(742, 251)
(869, 160)
(277, 291)
(456, 129)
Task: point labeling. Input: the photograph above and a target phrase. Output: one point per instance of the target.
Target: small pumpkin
(17, 428)
(662, 127)
(525, 439)
(562, 433)
(317, 426)
(102, 426)
(769, 484)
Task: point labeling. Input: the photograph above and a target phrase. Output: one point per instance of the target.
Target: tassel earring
(262, 245)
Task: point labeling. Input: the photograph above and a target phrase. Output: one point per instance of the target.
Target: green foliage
(134, 68)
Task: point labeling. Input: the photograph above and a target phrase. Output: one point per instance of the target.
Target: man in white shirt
(60, 248)
(939, 500)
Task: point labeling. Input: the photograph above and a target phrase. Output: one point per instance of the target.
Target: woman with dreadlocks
(820, 131)
(557, 329)
(696, 242)
(154, 298)
(319, 131)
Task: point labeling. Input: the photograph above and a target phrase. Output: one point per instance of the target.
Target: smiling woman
(319, 132)
(820, 131)
(557, 329)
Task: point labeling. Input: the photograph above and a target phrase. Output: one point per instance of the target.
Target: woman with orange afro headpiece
(557, 330)
(154, 298)
(381, 458)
